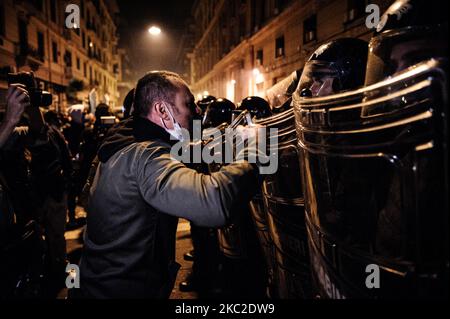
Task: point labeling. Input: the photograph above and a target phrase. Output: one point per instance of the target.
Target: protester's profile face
(186, 107)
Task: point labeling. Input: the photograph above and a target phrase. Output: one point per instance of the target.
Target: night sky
(146, 52)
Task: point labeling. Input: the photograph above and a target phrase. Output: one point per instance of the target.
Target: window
(91, 46)
(78, 64)
(83, 39)
(355, 9)
(264, 11)
(2, 19)
(259, 57)
(68, 58)
(88, 20)
(82, 8)
(23, 36)
(84, 69)
(280, 5)
(39, 4)
(41, 45)
(310, 29)
(53, 10)
(55, 51)
(279, 47)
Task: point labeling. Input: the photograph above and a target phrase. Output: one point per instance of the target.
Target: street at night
(224, 157)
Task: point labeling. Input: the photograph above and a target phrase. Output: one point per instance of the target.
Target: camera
(107, 121)
(38, 97)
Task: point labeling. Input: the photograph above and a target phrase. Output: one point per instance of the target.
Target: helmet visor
(321, 78)
(397, 50)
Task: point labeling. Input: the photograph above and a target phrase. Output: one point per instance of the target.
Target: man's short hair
(155, 86)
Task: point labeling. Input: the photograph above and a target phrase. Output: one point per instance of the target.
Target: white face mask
(177, 131)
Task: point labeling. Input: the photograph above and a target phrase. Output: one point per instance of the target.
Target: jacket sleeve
(207, 200)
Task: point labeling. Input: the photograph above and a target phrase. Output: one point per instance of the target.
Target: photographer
(18, 100)
(15, 220)
(34, 164)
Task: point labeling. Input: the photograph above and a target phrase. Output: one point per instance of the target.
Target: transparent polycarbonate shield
(376, 188)
(281, 91)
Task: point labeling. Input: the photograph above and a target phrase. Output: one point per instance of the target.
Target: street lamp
(154, 31)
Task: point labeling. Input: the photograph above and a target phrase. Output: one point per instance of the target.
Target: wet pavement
(184, 245)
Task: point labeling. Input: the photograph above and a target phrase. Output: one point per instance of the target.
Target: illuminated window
(279, 47)
(259, 57)
(310, 29)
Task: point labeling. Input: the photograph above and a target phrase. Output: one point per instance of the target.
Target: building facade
(67, 62)
(126, 80)
(243, 47)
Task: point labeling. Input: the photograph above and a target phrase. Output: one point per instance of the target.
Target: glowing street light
(154, 31)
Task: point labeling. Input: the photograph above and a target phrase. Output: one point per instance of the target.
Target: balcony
(28, 55)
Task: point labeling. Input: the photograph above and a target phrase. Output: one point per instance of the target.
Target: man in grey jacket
(139, 192)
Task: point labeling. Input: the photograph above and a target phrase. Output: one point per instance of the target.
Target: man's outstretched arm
(207, 200)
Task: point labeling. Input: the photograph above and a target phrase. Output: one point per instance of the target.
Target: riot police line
(362, 178)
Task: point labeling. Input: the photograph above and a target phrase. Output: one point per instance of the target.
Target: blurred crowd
(45, 159)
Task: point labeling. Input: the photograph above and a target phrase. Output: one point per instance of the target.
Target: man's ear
(160, 111)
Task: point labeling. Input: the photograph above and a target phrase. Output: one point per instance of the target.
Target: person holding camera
(35, 163)
(18, 100)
